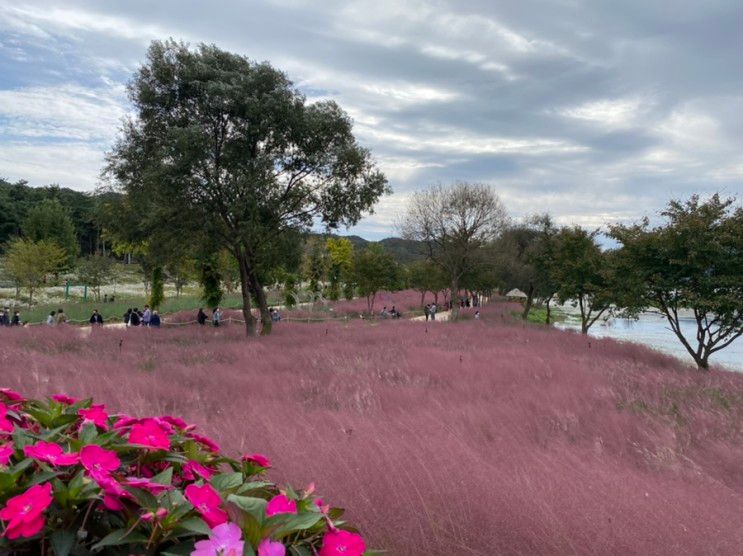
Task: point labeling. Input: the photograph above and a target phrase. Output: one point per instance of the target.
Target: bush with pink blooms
(76, 479)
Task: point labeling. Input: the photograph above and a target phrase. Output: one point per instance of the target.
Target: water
(653, 330)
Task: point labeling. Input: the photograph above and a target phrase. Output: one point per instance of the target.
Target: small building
(516, 293)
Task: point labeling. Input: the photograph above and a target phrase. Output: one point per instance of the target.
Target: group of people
(135, 317)
(430, 311)
(391, 314)
(56, 318)
(201, 316)
(6, 319)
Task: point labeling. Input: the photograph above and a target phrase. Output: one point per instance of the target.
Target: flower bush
(75, 479)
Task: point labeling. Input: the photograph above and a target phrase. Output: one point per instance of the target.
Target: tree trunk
(423, 298)
(250, 329)
(454, 296)
(260, 296)
(547, 321)
(528, 302)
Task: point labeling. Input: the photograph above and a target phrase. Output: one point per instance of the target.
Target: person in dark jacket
(134, 318)
(128, 316)
(155, 319)
(16, 320)
(201, 317)
(96, 318)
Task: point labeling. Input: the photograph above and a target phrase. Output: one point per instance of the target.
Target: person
(50, 319)
(96, 318)
(384, 314)
(477, 315)
(61, 318)
(146, 316)
(4, 317)
(128, 316)
(427, 311)
(155, 320)
(105, 298)
(275, 316)
(16, 320)
(433, 311)
(134, 318)
(216, 316)
(201, 316)
(394, 313)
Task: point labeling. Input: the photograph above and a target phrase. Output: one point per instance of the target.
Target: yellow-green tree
(340, 255)
(29, 263)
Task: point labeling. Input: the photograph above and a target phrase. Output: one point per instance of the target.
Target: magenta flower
(98, 461)
(5, 425)
(225, 540)
(150, 434)
(96, 415)
(146, 484)
(207, 502)
(124, 422)
(342, 543)
(177, 422)
(112, 503)
(204, 441)
(11, 395)
(267, 547)
(194, 468)
(51, 453)
(64, 398)
(258, 459)
(280, 504)
(5, 452)
(23, 513)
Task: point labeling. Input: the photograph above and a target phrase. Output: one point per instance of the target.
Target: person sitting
(50, 319)
(61, 318)
(275, 316)
(146, 316)
(201, 316)
(155, 319)
(128, 316)
(384, 314)
(96, 318)
(134, 318)
(16, 320)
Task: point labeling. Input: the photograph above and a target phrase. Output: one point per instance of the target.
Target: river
(653, 330)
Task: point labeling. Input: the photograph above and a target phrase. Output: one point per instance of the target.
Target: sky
(595, 111)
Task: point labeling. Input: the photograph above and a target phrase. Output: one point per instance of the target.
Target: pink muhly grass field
(480, 437)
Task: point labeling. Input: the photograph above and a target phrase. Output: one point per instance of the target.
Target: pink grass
(476, 438)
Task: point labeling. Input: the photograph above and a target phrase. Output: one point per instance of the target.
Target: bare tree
(454, 222)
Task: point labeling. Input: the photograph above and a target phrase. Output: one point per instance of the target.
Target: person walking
(50, 319)
(146, 316)
(155, 320)
(427, 311)
(433, 311)
(128, 316)
(216, 316)
(201, 317)
(96, 318)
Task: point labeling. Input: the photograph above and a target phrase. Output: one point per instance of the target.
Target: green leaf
(88, 434)
(255, 485)
(287, 524)
(254, 506)
(62, 542)
(164, 478)
(195, 525)
(227, 481)
(120, 537)
(182, 549)
(299, 551)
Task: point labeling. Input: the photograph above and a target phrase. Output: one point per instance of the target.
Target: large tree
(454, 223)
(692, 266)
(375, 270)
(49, 220)
(232, 147)
(29, 263)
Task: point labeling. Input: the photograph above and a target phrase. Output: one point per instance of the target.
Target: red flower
(149, 433)
(5, 452)
(204, 441)
(258, 459)
(51, 453)
(146, 484)
(207, 502)
(96, 415)
(175, 421)
(98, 461)
(24, 512)
(11, 395)
(280, 504)
(194, 468)
(342, 543)
(5, 425)
(64, 399)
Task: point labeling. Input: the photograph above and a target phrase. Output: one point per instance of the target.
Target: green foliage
(157, 293)
(50, 221)
(340, 263)
(232, 144)
(95, 271)
(211, 283)
(694, 262)
(30, 263)
(375, 271)
(425, 276)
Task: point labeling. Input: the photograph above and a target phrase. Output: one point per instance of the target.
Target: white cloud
(75, 164)
(620, 112)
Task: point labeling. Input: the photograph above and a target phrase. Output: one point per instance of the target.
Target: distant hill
(404, 251)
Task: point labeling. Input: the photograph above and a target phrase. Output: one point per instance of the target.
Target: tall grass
(480, 437)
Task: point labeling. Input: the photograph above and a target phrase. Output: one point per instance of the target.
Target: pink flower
(51, 453)
(23, 513)
(203, 440)
(271, 548)
(146, 484)
(64, 398)
(320, 503)
(113, 503)
(98, 461)
(124, 422)
(207, 502)
(5, 425)
(280, 504)
(175, 421)
(96, 415)
(342, 543)
(225, 540)
(258, 459)
(11, 395)
(149, 434)
(194, 468)
(113, 492)
(6, 451)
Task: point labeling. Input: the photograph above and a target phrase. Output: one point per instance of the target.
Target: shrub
(77, 480)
